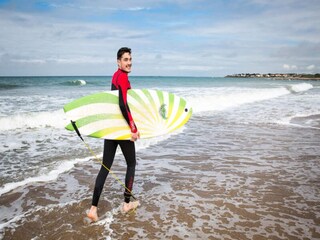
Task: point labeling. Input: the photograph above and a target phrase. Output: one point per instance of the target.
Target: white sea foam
(55, 119)
(68, 165)
(79, 82)
(50, 176)
(212, 99)
(306, 124)
(300, 87)
(218, 101)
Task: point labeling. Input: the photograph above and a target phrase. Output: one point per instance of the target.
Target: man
(121, 83)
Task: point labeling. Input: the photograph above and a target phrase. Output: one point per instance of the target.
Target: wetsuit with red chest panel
(121, 83)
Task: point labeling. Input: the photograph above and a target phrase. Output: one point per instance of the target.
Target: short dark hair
(122, 51)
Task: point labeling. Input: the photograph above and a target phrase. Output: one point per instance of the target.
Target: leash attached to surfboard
(99, 160)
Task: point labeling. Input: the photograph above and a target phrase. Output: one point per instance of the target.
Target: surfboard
(155, 113)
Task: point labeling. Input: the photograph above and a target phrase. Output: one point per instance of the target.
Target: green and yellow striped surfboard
(154, 112)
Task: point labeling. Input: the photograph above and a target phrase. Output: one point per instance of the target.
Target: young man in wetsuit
(121, 83)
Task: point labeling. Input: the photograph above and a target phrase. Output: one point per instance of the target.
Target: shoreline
(279, 78)
(251, 197)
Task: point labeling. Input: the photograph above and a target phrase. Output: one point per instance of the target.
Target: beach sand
(239, 181)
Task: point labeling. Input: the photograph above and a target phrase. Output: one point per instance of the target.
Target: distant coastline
(280, 76)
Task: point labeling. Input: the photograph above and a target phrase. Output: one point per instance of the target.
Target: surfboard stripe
(157, 107)
(137, 109)
(104, 97)
(181, 108)
(107, 131)
(171, 104)
(146, 106)
(181, 122)
(92, 109)
(151, 104)
(139, 106)
(93, 118)
(173, 108)
(160, 96)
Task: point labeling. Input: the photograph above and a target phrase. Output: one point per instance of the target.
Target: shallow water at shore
(246, 166)
(243, 181)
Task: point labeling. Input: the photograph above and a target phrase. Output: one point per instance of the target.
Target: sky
(209, 38)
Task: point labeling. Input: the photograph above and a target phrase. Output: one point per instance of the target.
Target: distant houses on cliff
(276, 75)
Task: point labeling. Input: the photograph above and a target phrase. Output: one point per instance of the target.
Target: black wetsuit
(121, 83)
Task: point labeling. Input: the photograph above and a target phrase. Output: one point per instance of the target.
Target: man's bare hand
(135, 136)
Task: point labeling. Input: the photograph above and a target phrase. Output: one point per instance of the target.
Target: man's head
(124, 59)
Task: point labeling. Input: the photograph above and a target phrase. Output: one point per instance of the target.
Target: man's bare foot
(92, 214)
(126, 207)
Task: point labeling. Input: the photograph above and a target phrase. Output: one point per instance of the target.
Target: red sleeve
(123, 86)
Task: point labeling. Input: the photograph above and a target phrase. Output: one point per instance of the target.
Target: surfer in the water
(121, 83)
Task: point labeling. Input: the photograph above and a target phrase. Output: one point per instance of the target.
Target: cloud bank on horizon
(168, 38)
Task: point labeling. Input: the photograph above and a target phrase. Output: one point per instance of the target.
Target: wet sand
(241, 181)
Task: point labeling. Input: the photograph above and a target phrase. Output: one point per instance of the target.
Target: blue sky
(168, 38)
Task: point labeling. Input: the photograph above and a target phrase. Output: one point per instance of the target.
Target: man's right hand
(135, 136)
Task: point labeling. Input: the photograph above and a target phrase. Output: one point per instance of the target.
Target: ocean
(245, 166)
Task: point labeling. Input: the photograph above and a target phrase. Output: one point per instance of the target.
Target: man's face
(125, 62)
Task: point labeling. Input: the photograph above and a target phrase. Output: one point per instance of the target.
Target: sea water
(240, 127)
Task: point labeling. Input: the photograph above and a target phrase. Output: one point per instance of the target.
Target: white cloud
(311, 67)
(31, 61)
(98, 7)
(290, 67)
(286, 66)
(78, 60)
